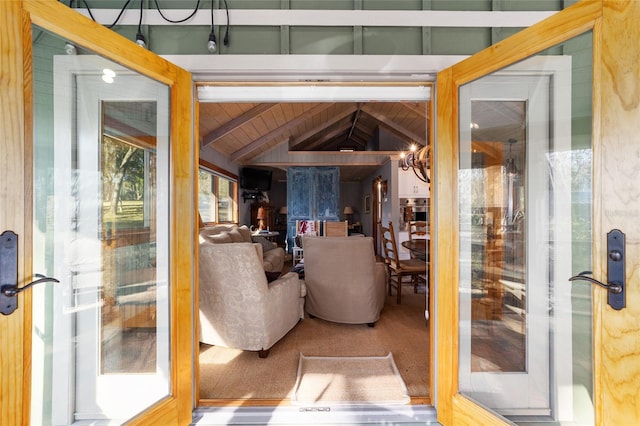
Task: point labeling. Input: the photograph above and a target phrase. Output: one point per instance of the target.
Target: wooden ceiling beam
(235, 123)
(419, 108)
(329, 136)
(258, 143)
(395, 127)
(333, 120)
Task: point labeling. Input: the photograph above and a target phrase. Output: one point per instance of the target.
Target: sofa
(344, 282)
(238, 307)
(272, 256)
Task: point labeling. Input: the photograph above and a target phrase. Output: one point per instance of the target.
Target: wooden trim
(453, 408)
(445, 245)
(15, 211)
(183, 195)
(599, 246)
(212, 167)
(562, 26)
(27, 234)
(617, 333)
(59, 19)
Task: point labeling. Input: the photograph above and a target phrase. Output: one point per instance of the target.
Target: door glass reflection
(498, 338)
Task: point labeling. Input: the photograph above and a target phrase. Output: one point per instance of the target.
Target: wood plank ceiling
(244, 131)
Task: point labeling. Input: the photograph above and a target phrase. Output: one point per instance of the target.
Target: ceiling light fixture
(211, 45)
(416, 160)
(510, 166)
(140, 40)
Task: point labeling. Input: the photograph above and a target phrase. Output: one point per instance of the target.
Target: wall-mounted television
(255, 179)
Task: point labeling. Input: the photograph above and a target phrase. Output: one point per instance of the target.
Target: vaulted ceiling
(244, 131)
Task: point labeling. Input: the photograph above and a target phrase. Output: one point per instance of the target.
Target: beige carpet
(402, 329)
(349, 380)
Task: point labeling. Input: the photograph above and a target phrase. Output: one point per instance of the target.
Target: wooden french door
(588, 187)
(23, 25)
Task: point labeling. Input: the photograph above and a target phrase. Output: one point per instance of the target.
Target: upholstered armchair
(239, 308)
(344, 282)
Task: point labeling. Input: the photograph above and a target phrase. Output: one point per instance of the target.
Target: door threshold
(316, 415)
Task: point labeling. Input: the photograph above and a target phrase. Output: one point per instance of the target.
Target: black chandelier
(417, 159)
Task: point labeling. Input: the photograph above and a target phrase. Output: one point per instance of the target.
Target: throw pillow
(246, 233)
(236, 237)
(218, 238)
(266, 244)
(272, 276)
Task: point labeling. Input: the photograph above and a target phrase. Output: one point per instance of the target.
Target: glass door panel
(524, 182)
(101, 337)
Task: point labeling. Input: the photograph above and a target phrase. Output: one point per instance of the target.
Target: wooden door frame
(16, 212)
(615, 106)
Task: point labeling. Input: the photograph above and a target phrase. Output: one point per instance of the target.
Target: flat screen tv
(255, 179)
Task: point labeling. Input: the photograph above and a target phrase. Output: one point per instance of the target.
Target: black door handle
(9, 273)
(611, 287)
(616, 283)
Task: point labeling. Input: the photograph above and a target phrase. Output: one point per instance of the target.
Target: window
(217, 200)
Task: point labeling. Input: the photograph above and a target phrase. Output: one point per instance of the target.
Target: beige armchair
(238, 308)
(344, 282)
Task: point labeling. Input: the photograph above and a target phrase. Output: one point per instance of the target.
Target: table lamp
(348, 211)
(261, 216)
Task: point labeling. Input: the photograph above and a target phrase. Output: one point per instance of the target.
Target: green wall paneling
(459, 41)
(250, 40)
(176, 39)
(250, 4)
(392, 5)
(499, 34)
(389, 41)
(461, 5)
(321, 40)
(321, 5)
(520, 5)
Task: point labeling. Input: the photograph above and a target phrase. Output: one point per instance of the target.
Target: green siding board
(129, 32)
(389, 41)
(174, 40)
(251, 4)
(459, 41)
(529, 5)
(322, 5)
(321, 40)
(500, 34)
(472, 5)
(392, 5)
(251, 40)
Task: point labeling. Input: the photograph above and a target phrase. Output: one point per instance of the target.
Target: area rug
(371, 380)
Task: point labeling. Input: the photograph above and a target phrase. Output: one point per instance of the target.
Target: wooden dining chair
(336, 229)
(419, 229)
(399, 268)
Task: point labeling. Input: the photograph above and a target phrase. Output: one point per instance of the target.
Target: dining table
(418, 247)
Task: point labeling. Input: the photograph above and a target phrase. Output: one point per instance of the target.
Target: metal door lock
(615, 285)
(9, 273)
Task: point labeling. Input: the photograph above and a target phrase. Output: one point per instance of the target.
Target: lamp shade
(348, 210)
(261, 214)
(283, 210)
